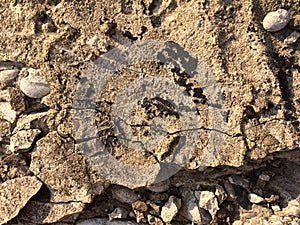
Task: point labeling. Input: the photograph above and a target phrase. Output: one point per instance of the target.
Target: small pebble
(34, 85)
(253, 198)
(124, 195)
(264, 177)
(295, 23)
(292, 38)
(277, 20)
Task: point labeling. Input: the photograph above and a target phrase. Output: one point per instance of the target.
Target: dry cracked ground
(48, 47)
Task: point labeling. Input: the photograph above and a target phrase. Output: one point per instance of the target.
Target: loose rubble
(277, 20)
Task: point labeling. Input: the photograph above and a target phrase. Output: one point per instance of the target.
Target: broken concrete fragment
(170, 209)
(124, 194)
(23, 140)
(209, 202)
(14, 194)
(64, 172)
(44, 212)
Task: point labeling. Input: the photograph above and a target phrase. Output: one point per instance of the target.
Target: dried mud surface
(46, 179)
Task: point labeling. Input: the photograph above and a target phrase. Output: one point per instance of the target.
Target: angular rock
(34, 85)
(23, 140)
(253, 198)
(44, 212)
(189, 209)
(170, 209)
(292, 38)
(277, 20)
(15, 98)
(64, 172)
(14, 194)
(209, 202)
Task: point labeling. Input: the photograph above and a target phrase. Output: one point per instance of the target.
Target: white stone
(253, 198)
(170, 209)
(264, 177)
(209, 202)
(277, 20)
(292, 38)
(34, 85)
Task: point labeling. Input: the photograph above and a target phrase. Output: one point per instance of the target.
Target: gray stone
(253, 198)
(14, 194)
(124, 195)
(170, 209)
(292, 38)
(277, 20)
(34, 85)
(190, 208)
